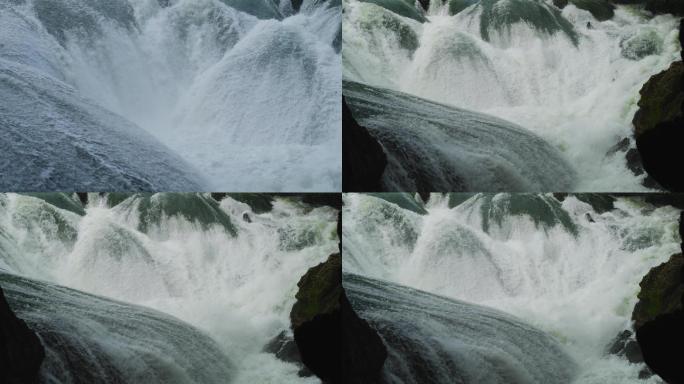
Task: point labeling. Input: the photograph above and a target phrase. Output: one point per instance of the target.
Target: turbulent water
(430, 147)
(159, 288)
(565, 268)
(170, 95)
(563, 75)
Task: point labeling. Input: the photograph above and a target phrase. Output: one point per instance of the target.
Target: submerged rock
(21, 353)
(659, 126)
(363, 158)
(406, 8)
(334, 343)
(601, 9)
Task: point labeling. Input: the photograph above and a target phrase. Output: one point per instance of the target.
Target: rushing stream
(170, 95)
(558, 281)
(563, 76)
(165, 288)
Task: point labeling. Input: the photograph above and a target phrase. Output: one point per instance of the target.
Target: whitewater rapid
(560, 266)
(167, 288)
(563, 75)
(175, 95)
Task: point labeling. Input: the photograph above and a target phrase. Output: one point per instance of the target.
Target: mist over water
(563, 75)
(184, 286)
(219, 91)
(561, 267)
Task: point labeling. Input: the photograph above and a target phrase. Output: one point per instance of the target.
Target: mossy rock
(61, 200)
(319, 292)
(661, 99)
(545, 211)
(661, 291)
(259, 202)
(456, 6)
(500, 15)
(403, 199)
(601, 9)
(195, 207)
(406, 8)
(601, 203)
(115, 198)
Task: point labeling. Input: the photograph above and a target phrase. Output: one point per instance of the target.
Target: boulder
(363, 159)
(601, 9)
(334, 343)
(658, 127)
(661, 291)
(21, 352)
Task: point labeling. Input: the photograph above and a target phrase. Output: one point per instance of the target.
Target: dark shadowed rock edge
(21, 352)
(659, 124)
(334, 343)
(363, 159)
(659, 317)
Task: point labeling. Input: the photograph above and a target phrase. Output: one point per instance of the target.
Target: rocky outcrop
(661, 291)
(363, 159)
(334, 343)
(316, 319)
(21, 352)
(659, 317)
(659, 127)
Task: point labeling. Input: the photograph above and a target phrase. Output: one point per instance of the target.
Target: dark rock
(322, 318)
(363, 159)
(661, 151)
(83, 197)
(560, 3)
(661, 291)
(333, 200)
(681, 37)
(259, 202)
(296, 4)
(675, 7)
(662, 344)
(316, 319)
(601, 9)
(425, 4)
(663, 199)
(631, 154)
(284, 347)
(21, 352)
(661, 99)
(658, 127)
(245, 217)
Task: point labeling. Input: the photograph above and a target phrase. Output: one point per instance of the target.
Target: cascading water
(170, 95)
(565, 76)
(568, 268)
(169, 288)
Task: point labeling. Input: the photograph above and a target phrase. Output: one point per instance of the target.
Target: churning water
(569, 275)
(165, 288)
(170, 95)
(563, 76)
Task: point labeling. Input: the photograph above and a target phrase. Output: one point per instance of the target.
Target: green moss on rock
(661, 291)
(319, 291)
(406, 8)
(661, 99)
(195, 207)
(61, 200)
